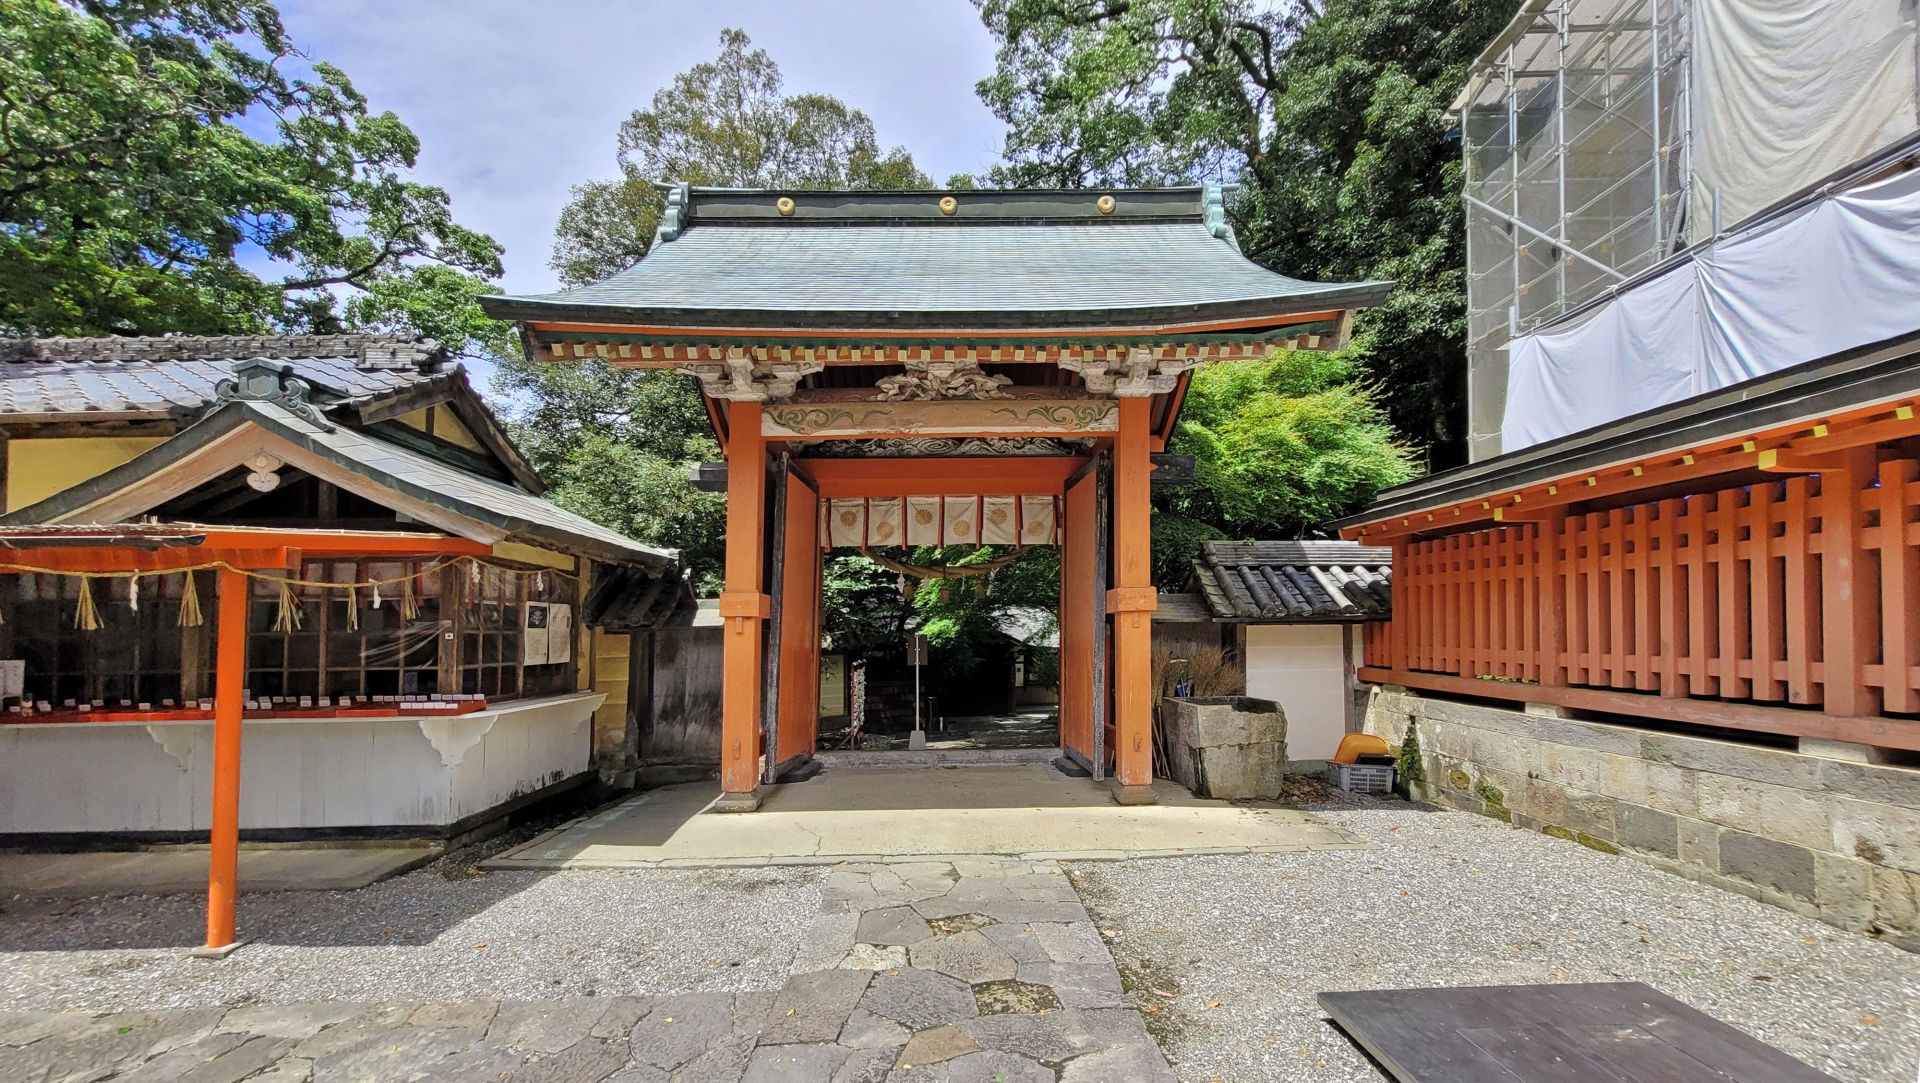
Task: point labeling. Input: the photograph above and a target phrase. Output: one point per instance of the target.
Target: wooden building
(328, 538)
(1295, 614)
(937, 367)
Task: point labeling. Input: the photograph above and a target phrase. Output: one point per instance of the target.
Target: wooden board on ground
(1602, 1032)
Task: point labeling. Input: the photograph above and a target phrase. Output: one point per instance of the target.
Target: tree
(1330, 116)
(722, 123)
(131, 180)
(615, 443)
(1279, 447)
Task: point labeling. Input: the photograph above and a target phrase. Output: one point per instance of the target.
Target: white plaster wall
(129, 776)
(1300, 667)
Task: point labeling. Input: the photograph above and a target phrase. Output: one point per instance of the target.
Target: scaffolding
(1576, 136)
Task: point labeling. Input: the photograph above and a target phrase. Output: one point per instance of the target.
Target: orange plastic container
(1355, 745)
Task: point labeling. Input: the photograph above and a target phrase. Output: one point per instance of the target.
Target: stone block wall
(1832, 838)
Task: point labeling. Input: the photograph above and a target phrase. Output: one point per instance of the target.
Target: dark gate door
(1083, 619)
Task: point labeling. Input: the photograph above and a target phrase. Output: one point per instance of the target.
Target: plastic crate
(1362, 777)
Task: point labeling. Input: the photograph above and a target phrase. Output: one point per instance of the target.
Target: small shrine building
(909, 368)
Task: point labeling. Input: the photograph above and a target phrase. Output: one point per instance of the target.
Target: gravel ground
(1245, 942)
(434, 934)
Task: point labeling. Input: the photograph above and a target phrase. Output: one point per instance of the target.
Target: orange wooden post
(1553, 600)
(230, 675)
(744, 606)
(1766, 582)
(1899, 587)
(1803, 603)
(1735, 595)
(1402, 623)
(1131, 601)
(1850, 587)
(1673, 622)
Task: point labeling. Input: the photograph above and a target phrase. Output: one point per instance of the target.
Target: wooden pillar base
(1133, 795)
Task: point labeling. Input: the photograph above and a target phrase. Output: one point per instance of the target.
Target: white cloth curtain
(1787, 91)
(1841, 273)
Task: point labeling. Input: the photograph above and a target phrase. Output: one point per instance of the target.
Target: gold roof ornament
(948, 204)
(1105, 203)
(784, 204)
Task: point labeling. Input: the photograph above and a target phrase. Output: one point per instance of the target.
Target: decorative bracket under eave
(741, 379)
(1137, 377)
(927, 379)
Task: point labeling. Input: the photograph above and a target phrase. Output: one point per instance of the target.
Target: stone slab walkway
(964, 971)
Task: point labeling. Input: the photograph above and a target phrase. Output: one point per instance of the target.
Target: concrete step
(938, 757)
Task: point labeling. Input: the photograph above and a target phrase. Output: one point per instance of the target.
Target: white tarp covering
(1840, 273)
(1788, 91)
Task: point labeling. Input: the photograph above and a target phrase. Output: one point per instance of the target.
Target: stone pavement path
(963, 971)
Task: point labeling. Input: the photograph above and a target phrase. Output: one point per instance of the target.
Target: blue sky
(516, 100)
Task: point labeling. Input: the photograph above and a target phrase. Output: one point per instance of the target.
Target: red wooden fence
(1802, 591)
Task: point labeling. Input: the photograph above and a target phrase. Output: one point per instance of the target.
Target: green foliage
(1332, 118)
(1412, 766)
(863, 611)
(1279, 446)
(1177, 541)
(726, 123)
(963, 625)
(614, 445)
(130, 180)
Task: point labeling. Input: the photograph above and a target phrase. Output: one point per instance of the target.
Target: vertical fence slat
(1732, 594)
(1699, 681)
(1672, 605)
(1765, 610)
(1802, 593)
(1849, 587)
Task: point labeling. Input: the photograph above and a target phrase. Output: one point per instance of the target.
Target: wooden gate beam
(1132, 601)
(744, 608)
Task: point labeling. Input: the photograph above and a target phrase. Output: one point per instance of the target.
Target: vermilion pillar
(744, 606)
(1132, 601)
(230, 673)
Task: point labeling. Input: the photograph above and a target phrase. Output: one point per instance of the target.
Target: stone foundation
(1822, 831)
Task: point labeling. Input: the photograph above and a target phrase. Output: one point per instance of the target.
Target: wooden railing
(1803, 591)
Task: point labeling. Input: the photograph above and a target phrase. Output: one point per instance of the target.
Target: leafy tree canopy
(144, 144)
(614, 443)
(726, 123)
(1279, 446)
(1330, 115)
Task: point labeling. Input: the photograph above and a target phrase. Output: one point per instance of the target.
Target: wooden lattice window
(345, 645)
(135, 656)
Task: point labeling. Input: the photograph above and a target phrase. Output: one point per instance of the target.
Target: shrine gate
(907, 368)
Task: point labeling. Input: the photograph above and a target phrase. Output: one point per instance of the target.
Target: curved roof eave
(1167, 320)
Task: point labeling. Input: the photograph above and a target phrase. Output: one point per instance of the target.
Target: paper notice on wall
(559, 633)
(13, 677)
(999, 521)
(923, 520)
(533, 637)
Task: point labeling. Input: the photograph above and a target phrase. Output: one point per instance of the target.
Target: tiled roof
(627, 599)
(1296, 580)
(1002, 257)
(174, 377)
(520, 514)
